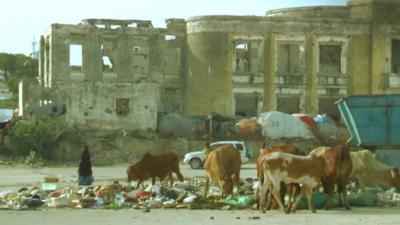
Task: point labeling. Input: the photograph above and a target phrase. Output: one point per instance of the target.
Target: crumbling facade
(110, 74)
(291, 60)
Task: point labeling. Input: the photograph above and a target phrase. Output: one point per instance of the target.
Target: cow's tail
(340, 159)
(343, 155)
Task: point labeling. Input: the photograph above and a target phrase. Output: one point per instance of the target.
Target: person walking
(85, 168)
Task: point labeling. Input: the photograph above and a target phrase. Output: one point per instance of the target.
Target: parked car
(196, 159)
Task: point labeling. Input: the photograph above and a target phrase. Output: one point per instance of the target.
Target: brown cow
(288, 168)
(264, 153)
(221, 165)
(338, 169)
(155, 166)
(370, 172)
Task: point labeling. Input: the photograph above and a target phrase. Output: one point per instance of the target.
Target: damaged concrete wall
(105, 105)
(316, 55)
(293, 60)
(95, 66)
(290, 58)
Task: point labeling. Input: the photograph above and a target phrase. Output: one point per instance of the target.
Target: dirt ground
(362, 216)
(18, 176)
(12, 177)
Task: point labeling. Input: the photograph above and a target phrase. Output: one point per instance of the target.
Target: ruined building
(122, 73)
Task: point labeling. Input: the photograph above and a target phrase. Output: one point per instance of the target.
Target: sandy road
(19, 176)
(357, 216)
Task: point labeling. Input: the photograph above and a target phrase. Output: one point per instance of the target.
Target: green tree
(7, 64)
(16, 68)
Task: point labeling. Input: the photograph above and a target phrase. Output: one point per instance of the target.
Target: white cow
(371, 173)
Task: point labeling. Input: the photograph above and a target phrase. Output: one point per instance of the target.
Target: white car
(196, 159)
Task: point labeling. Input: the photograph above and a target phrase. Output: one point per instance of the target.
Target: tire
(195, 163)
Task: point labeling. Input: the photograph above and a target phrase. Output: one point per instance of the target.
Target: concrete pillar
(382, 15)
(270, 68)
(46, 64)
(58, 66)
(92, 60)
(358, 65)
(378, 59)
(209, 85)
(41, 61)
(58, 56)
(312, 57)
(125, 71)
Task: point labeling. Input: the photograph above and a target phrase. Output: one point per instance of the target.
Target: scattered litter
(245, 200)
(49, 186)
(183, 195)
(254, 218)
(190, 198)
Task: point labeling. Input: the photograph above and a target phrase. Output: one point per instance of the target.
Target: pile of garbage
(188, 194)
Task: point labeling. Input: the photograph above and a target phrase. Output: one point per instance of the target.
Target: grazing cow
(264, 153)
(288, 168)
(223, 166)
(338, 168)
(155, 166)
(370, 172)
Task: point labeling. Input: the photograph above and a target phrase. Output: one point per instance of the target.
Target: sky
(23, 20)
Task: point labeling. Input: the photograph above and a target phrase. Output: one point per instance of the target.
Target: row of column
(270, 71)
(209, 85)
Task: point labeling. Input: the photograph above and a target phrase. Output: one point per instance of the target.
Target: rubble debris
(182, 195)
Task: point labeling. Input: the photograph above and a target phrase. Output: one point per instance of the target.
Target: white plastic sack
(281, 125)
(190, 198)
(60, 202)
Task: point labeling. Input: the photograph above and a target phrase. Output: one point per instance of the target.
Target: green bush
(41, 135)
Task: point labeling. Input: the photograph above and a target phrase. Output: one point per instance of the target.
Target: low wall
(121, 148)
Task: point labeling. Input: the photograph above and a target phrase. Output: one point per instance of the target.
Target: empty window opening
(101, 26)
(246, 105)
(122, 106)
(170, 37)
(242, 57)
(133, 25)
(395, 62)
(108, 64)
(330, 59)
(136, 49)
(114, 26)
(288, 104)
(289, 58)
(327, 106)
(75, 56)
